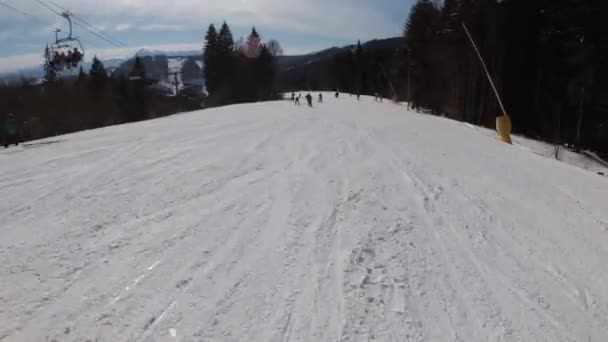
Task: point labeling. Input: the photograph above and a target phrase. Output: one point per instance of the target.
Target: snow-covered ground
(586, 159)
(352, 221)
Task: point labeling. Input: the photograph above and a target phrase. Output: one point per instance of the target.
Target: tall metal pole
(389, 82)
(485, 68)
(176, 84)
(409, 84)
(581, 109)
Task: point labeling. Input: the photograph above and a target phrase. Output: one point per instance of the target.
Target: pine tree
(358, 53)
(225, 39)
(81, 75)
(225, 64)
(265, 70)
(344, 71)
(210, 59)
(420, 31)
(450, 16)
(253, 47)
(98, 75)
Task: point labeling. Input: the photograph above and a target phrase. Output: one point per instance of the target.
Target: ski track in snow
(352, 221)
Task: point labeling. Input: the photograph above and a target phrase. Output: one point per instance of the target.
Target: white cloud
(122, 27)
(163, 27)
(336, 20)
(351, 19)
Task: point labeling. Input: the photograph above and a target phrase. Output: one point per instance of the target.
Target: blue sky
(174, 25)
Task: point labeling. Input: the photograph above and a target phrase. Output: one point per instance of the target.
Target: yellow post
(503, 122)
(503, 128)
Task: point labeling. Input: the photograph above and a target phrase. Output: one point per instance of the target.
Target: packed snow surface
(350, 221)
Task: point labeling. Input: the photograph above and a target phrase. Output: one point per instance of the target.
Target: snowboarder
(320, 98)
(9, 131)
(309, 99)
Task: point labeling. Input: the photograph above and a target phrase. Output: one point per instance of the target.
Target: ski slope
(351, 221)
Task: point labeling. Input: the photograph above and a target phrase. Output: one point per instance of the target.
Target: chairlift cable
(49, 8)
(84, 22)
(79, 21)
(96, 34)
(25, 14)
(76, 23)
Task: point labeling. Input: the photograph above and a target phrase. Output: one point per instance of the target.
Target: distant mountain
(311, 70)
(156, 53)
(159, 63)
(37, 72)
(111, 64)
(293, 62)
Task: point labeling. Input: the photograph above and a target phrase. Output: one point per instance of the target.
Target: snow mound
(348, 221)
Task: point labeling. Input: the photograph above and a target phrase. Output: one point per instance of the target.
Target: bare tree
(274, 47)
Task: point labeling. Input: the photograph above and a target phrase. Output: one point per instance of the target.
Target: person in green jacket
(10, 131)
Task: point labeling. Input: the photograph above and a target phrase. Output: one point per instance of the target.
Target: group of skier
(297, 98)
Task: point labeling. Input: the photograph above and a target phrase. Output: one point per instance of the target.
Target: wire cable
(84, 22)
(77, 23)
(97, 35)
(50, 8)
(25, 14)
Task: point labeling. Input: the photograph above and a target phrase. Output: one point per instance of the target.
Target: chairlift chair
(65, 53)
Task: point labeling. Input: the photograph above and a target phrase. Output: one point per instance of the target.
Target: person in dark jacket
(309, 99)
(377, 97)
(10, 131)
(320, 98)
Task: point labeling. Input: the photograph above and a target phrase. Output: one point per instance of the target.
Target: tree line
(239, 71)
(549, 59)
(235, 72)
(86, 101)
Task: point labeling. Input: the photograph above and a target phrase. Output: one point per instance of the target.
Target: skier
(337, 94)
(297, 101)
(377, 97)
(9, 131)
(309, 99)
(320, 98)
(293, 97)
